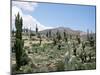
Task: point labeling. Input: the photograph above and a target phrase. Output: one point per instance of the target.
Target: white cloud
(27, 6)
(15, 10)
(28, 20)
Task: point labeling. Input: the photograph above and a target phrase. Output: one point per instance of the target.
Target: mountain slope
(61, 30)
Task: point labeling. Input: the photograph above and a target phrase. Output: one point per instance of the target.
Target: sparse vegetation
(63, 51)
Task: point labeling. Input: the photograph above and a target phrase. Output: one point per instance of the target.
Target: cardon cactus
(66, 59)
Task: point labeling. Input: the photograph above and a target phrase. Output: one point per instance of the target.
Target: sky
(51, 15)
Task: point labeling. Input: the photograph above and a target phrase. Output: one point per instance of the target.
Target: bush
(32, 34)
(60, 66)
(86, 66)
(13, 69)
(26, 69)
(59, 47)
(24, 59)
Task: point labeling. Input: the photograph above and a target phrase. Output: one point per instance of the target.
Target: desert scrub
(60, 65)
(73, 63)
(13, 69)
(24, 59)
(86, 66)
(35, 45)
(26, 69)
(43, 68)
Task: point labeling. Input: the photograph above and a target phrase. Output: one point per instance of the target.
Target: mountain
(68, 31)
(61, 30)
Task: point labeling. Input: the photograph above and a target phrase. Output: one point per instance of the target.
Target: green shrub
(86, 66)
(26, 69)
(60, 66)
(24, 59)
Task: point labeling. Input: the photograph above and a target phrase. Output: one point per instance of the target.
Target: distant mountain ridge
(62, 29)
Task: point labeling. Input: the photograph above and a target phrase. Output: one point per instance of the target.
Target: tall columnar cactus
(18, 41)
(36, 29)
(40, 38)
(83, 45)
(54, 41)
(30, 33)
(49, 33)
(65, 36)
(88, 35)
(12, 32)
(74, 49)
(78, 39)
(70, 36)
(91, 40)
(83, 53)
(19, 52)
(67, 56)
(58, 35)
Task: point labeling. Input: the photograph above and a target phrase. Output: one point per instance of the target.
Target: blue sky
(77, 17)
(73, 16)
